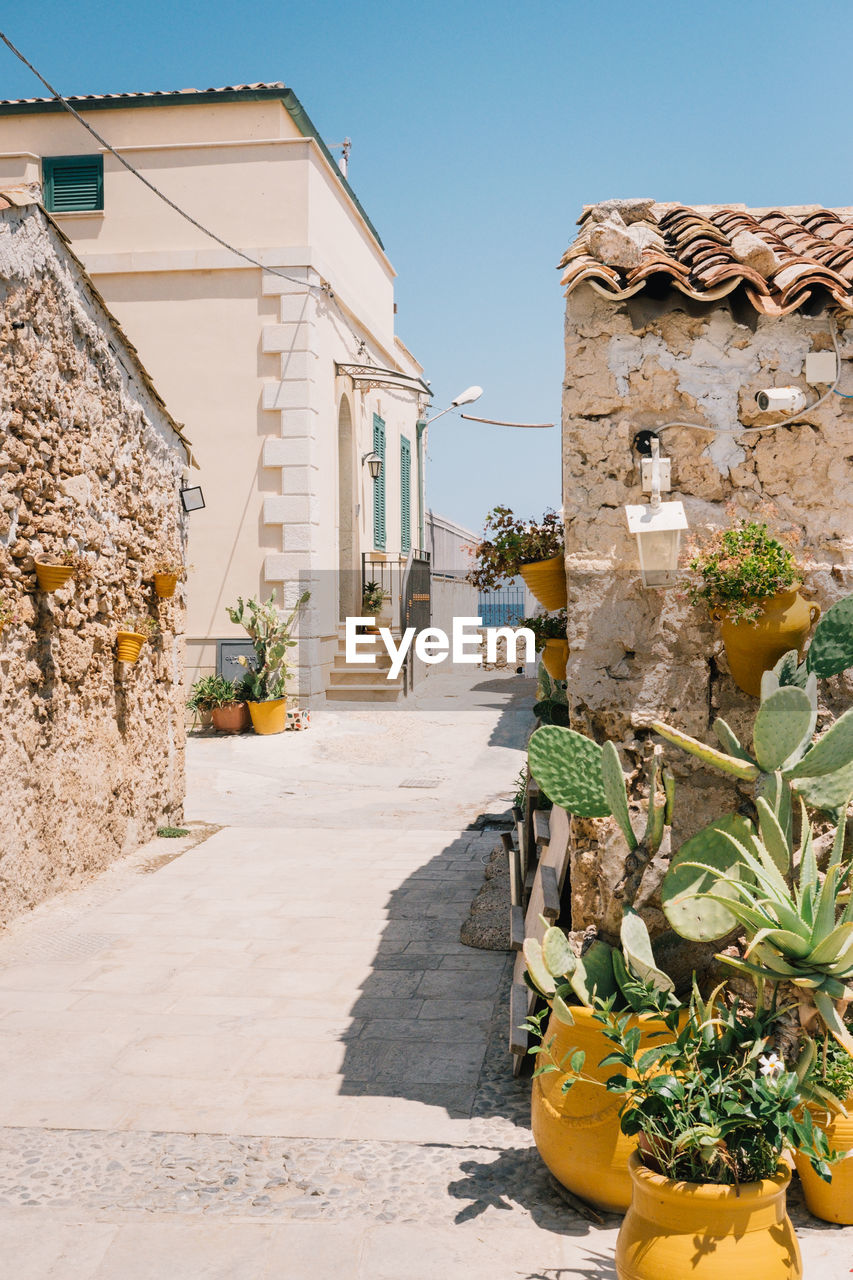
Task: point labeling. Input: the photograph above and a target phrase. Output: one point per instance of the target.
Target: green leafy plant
(829, 1071)
(172, 833)
(711, 1102)
(738, 568)
(373, 599)
(546, 626)
(9, 615)
(520, 785)
(270, 633)
(215, 691)
(508, 543)
(552, 705)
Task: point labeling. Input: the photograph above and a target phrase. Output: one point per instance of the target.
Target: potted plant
(229, 707)
(713, 1109)
(135, 629)
(372, 602)
(54, 573)
(831, 1078)
(549, 632)
(203, 697)
(749, 581)
(535, 549)
(167, 574)
(270, 633)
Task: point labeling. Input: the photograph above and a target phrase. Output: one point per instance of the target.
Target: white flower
(771, 1065)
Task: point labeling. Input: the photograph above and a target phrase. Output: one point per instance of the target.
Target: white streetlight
(468, 396)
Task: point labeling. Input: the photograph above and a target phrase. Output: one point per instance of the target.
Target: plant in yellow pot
(713, 1109)
(54, 571)
(532, 548)
(549, 633)
(750, 582)
(271, 634)
(131, 636)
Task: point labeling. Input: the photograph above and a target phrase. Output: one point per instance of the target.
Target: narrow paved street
(261, 1051)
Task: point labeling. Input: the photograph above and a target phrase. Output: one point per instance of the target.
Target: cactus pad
(832, 792)
(831, 649)
(614, 788)
(567, 767)
(789, 671)
(536, 968)
(743, 769)
(831, 752)
(696, 917)
(783, 728)
(593, 979)
(637, 948)
(557, 954)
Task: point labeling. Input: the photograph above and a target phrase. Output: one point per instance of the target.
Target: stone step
(363, 676)
(387, 692)
(369, 668)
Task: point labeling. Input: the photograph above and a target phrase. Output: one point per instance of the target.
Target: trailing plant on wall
(508, 543)
(736, 569)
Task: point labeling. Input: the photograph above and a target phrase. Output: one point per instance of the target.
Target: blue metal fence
(504, 608)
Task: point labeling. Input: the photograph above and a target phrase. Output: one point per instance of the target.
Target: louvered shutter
(405, 494)
(73, 184)
(379, 485)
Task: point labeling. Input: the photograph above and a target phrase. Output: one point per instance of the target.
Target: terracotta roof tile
(781, 259)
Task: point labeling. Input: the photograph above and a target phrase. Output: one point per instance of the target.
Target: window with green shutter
(379, 485)
(405, 494)
(73, 184)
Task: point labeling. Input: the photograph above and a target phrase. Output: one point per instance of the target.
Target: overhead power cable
(324, 287)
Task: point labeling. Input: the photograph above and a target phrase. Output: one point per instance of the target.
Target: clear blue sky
(479, 130)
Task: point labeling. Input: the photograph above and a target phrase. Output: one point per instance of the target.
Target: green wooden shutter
(405, 494)
(379, 485)
(73, 184)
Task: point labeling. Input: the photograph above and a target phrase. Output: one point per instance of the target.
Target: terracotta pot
(831, 1201)
(547, 580)
(577, 1133)
(707, 1232)
(165, 584)
(128, 645)
(233, 717)
(555, 655)
(53, 576)
(755, 647)
(269, 717)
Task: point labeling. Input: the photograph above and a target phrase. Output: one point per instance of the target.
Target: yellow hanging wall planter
(165, 584)
(53, 576)
(128, 645)
(546, 579)
(555, 655)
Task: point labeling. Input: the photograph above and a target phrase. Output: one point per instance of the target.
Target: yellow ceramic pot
(577, 1133)
(555, 655)
(53, 576)
(831, 1201)
(678, 1229)
(128, 645)
(547, 580)
(755, 647)
(269, 717)
(165, 584)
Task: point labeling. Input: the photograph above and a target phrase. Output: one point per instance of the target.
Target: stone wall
(90, 462)
(639, 654)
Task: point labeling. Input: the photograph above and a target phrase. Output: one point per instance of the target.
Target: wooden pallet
(526, 915)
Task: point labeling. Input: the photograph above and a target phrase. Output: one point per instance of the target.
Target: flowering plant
(712, 1102)
(373, 598)
(508, 543)
(738, 568)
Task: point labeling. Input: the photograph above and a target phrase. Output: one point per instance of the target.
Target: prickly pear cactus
(690, 913)
(831, 649)
(783, 728)
(567, 767)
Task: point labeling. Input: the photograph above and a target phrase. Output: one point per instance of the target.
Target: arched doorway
(349, 574)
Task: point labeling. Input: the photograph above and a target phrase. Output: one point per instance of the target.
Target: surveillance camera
(781, 400)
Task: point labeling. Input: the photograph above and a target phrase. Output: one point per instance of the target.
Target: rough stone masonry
(639, 654)
(90, 463)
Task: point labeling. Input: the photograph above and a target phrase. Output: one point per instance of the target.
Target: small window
(73, 184)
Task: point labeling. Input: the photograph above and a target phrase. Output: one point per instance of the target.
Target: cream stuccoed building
(287, 375)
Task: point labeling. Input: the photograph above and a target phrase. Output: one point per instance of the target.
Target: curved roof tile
(782, 259)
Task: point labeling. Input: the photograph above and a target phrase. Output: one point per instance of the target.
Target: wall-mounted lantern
(657, 527)
(373, 462)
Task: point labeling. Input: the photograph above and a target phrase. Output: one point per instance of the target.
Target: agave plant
(799, 928)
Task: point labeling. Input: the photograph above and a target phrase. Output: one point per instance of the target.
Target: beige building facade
(284, 384)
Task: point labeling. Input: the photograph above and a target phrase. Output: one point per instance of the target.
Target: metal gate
(415, 604)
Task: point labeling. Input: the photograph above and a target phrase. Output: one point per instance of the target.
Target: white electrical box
(821, 366)
(665, 465)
